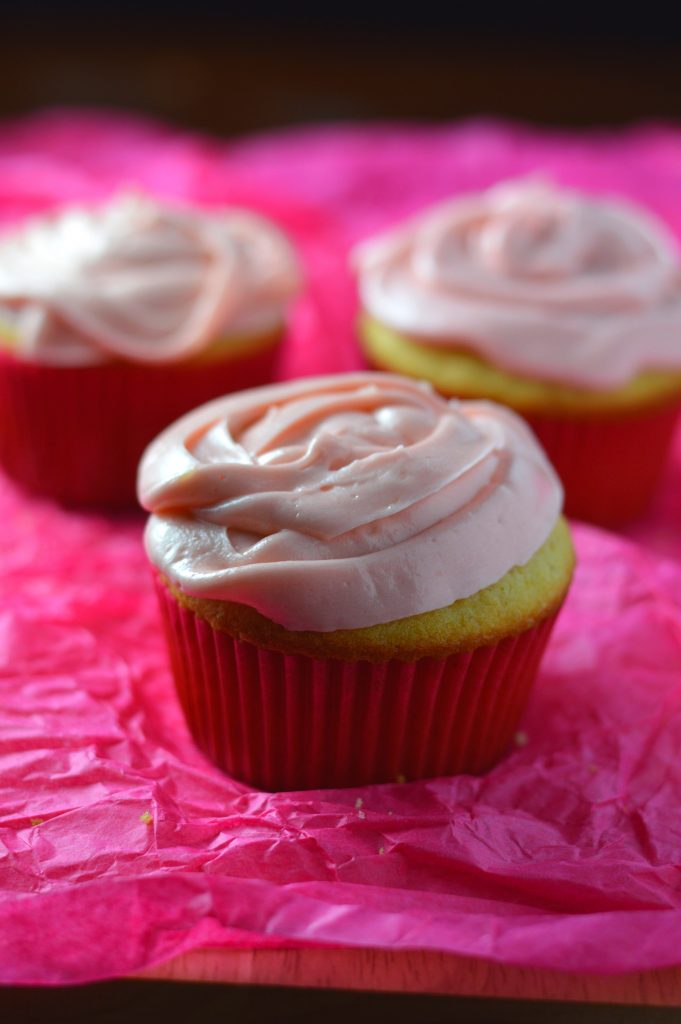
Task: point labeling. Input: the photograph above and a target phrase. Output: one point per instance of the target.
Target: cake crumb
(520, 739)
(361, 814)
(381, 851)
(358, 803)
(146, 818)
(401, 778)
(36, 821)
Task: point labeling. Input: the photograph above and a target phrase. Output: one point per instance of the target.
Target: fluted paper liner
(76, 433)
(286, 722)
(610, 466)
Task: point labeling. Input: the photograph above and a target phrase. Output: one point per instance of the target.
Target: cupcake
(357, 578)
(566, 308)
(116, 320)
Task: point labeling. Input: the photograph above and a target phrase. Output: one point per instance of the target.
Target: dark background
(233, 68)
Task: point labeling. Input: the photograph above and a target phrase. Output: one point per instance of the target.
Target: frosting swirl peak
(140, 281)
(540, 280)
(345, 501)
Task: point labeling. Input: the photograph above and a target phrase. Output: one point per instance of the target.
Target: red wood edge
(416, 971)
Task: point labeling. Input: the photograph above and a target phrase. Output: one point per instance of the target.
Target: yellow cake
(457, 372)
(523, 597)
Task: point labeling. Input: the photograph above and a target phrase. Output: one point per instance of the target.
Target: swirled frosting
(140, 281)
(345, 501)
(538, 280)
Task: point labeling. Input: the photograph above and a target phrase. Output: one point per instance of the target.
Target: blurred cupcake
(566, 308)
(116, 320)
(357, 578)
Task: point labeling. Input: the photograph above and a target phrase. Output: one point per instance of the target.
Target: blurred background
(234, 68)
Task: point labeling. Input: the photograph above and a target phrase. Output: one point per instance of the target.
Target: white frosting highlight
(541, 281)
(143, 282)
(345, 501)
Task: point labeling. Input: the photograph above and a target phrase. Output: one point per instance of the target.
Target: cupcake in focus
(115, 320)
(564, 307)
(357, 577)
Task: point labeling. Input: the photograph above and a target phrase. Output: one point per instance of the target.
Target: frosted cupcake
(566, 308)
(357, 577)
(116, 320)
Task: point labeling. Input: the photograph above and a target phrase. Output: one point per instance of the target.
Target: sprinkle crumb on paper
(358, 802)
(520, 739)
(146, 817)
(401, 778)
(36, 821)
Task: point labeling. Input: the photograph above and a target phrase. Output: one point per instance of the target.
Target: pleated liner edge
(287, 722)
(76, 433)
(610, 466)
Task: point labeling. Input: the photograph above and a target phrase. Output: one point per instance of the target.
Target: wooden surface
(418, 972)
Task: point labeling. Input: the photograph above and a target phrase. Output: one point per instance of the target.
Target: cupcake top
(345, 501)
(539, 280)
(140, 281)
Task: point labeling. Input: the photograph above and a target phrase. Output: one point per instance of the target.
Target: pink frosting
(140, 281)
(345, 501)
(539, 280)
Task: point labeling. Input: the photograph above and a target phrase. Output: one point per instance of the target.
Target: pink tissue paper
(122, 846)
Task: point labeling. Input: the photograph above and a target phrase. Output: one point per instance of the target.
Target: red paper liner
(610, 466)
(76, 433)
(287, 722)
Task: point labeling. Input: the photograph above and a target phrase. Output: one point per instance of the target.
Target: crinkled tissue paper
(121, 846)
